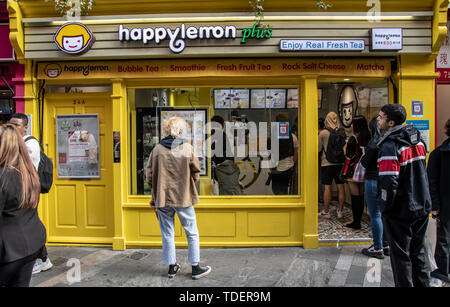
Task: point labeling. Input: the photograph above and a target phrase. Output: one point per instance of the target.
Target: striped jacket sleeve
(388, 174)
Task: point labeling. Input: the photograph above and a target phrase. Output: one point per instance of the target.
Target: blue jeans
(166, 217)
(375, 214)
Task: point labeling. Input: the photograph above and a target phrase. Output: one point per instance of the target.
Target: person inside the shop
(172, 171)
(321, 127)
(22, 234)
(224, 168)
(354, 149)
(333, 133)
(281, 175)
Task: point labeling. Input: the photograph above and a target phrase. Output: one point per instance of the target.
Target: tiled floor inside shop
(334, 228)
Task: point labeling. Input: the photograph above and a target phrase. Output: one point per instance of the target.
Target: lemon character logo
(73, 38)
(53, 70)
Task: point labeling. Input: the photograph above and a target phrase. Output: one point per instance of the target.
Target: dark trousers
(357, 208)
(43, 255)
(18, 273)
(442, 252)
(406, 241)
(281, 181)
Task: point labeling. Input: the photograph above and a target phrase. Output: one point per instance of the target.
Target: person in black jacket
(439, 178)
(22, 234)
(380, 247)
(403, 195)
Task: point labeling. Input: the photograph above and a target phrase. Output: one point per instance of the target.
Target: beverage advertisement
(77, 146)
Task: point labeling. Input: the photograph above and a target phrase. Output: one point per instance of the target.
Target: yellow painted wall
(417, 82)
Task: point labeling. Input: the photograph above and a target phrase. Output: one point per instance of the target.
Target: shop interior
(249, 112)
(369, 97)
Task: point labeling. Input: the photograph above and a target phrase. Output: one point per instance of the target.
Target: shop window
(336, 97)
(254, 152)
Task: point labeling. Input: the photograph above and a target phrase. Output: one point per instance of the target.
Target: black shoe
(386, 251)
(174, 269)
(199, 272)
(353, 225)
(372, 252)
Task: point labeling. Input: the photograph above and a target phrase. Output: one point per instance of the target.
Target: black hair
(447, 128)
(373, 126)
(21, 116)
(321, 123)
(218, 119)
(361, 130)
(394, 112)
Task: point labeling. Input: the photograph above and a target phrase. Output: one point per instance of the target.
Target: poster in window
(195, 132)
(292, 98)
(364, 97)
(77, 138)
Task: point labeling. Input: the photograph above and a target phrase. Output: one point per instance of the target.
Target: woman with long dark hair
(354, 149)
(22, 234)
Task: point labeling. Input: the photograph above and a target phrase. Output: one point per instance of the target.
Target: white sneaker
(47, 265)
(436, 283)
(40, 266)
(339, 214)
(324, 214)
(37, 267)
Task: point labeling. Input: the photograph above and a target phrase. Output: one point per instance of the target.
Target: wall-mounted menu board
(231, 98)
(256, 98)
(268, 98)
(292, 98)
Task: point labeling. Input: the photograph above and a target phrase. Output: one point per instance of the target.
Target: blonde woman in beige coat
(172, 171)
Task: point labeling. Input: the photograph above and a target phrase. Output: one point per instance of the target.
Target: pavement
(327, 266)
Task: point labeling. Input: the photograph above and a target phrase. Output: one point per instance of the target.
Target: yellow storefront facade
(138, 61)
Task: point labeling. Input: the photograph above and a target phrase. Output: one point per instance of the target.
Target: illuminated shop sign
(177, 37)
(73, 38)
(321, 45)
(386, 39)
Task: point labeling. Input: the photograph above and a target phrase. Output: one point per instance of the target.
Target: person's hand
(242, 185)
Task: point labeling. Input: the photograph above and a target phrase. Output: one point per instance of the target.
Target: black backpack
(335, 147)
(45, 170)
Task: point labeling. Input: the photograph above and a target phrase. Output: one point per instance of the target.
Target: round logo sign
(53, 70)
(73, 38)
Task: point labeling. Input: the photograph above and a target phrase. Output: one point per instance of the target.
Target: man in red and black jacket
(403, 195)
